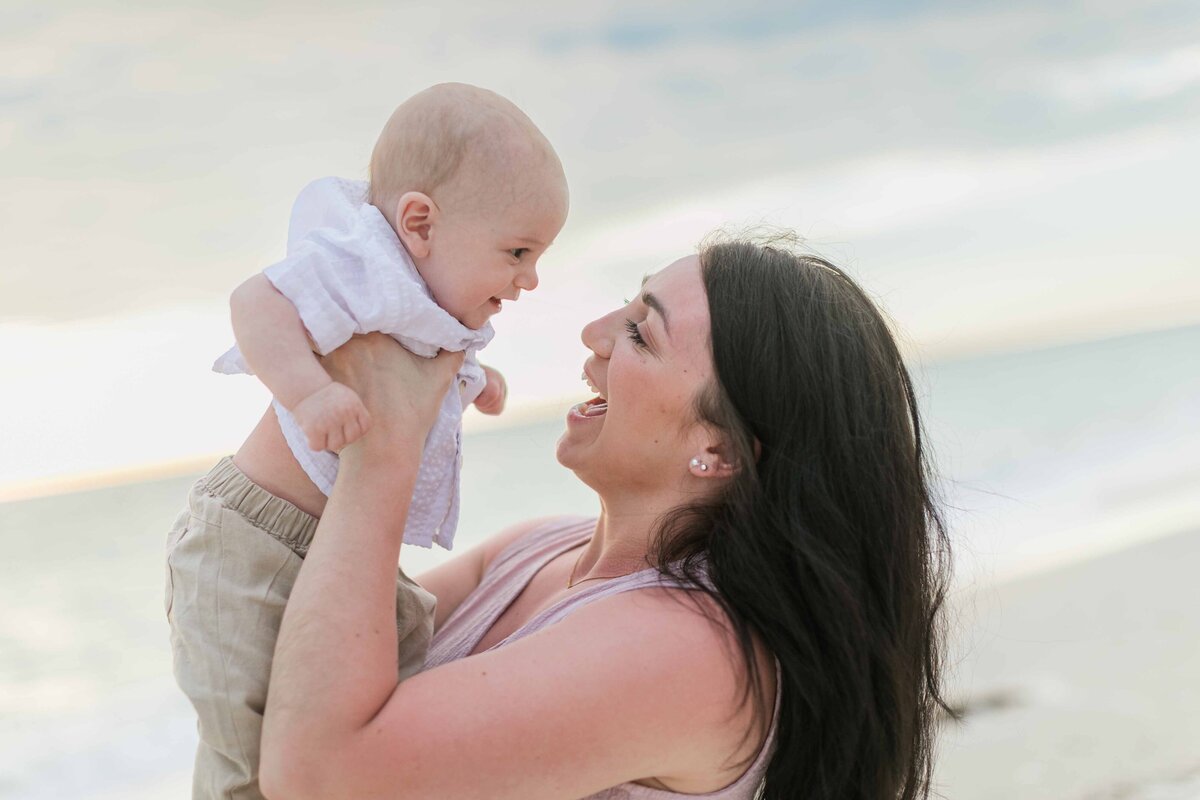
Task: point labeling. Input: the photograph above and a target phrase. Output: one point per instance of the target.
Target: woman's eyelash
(634, 333)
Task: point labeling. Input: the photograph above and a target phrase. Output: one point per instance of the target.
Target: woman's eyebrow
(653, 302)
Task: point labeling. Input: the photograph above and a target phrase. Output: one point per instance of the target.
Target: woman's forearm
(336, 657)
(336, 660)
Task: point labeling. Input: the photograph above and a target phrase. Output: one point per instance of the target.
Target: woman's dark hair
(828, 543)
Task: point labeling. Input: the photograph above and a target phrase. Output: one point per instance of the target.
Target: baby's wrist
(301, 392)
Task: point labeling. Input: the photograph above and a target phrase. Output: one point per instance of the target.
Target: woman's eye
(635, 334)
(518, 252)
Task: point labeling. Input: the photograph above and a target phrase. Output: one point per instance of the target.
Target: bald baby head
(461, 145)
(474, 193)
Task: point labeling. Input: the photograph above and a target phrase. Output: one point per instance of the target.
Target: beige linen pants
(232, 558)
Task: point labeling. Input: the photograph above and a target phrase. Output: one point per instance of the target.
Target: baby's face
(481, 256)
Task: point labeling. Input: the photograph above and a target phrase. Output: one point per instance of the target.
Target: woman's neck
(619, 545)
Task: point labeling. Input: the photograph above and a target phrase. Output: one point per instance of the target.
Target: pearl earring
(697, 463)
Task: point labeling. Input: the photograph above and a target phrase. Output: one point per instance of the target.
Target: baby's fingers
(359, 423)
(336, 440)
(352, 430)
(487, 405)
(315, 436)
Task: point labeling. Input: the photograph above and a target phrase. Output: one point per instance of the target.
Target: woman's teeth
(596, 407)
(584, 376)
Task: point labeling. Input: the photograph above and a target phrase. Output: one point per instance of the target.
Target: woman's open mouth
(596, 407)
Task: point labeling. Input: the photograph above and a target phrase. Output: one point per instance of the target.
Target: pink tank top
(508, 574)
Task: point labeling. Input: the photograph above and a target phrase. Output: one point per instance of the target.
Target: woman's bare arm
(628, 687)
(340, 618)
(590, 702)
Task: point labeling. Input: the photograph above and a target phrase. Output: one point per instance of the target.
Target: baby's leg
(414, 624)
(232, 562)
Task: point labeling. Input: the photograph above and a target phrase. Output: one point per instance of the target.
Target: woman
(757, 453)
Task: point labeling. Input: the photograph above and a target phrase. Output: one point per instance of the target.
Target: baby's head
(474, 191)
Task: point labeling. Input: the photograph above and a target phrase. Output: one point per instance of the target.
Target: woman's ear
(415, 216)
(714, 461)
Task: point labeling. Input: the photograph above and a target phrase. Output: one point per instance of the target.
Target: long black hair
(828, 543)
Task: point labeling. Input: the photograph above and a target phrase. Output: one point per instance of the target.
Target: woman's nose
(597, 336)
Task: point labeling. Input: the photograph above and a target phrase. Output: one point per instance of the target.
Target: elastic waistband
(274, 515)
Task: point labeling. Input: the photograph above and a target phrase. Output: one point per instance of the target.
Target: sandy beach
(1081, 682)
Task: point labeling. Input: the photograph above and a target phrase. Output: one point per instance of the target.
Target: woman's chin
(558, 450)
(566, 452)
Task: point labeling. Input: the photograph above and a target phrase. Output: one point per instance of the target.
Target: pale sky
(999, 175)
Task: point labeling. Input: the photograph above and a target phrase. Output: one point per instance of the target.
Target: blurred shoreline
(526, 410)
(1049, 454)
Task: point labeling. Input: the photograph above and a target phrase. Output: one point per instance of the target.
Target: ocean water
(1052, 455)
(1046, 456)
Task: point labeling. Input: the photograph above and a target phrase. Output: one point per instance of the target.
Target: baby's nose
(527, 280)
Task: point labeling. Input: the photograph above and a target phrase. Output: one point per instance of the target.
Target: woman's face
(649, 361)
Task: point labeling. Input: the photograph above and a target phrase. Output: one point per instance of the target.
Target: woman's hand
(402, 391)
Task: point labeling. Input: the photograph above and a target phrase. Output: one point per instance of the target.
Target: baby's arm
(278, 349)
(491, 400)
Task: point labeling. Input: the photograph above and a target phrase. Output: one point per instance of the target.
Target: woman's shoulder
(529, 534)
(673, 655)
(628, 686)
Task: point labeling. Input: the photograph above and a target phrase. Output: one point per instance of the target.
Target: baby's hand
(495, 392)
(332, 417)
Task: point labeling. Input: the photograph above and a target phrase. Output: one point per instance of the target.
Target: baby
(464, 196)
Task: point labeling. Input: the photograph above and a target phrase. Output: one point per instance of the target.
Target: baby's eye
(518, 252)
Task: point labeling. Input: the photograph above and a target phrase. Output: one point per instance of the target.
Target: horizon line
(531, 412)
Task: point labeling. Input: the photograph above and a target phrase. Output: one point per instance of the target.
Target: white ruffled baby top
(346, 272)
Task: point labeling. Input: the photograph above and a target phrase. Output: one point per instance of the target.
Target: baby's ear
(415, 215)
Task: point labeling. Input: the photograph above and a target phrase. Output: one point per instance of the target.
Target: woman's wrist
(376, 452)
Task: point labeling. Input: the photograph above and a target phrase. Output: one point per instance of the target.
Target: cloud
(1127, 78)
(154, 153)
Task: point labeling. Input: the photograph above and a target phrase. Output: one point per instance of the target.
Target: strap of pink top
(509, 573)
